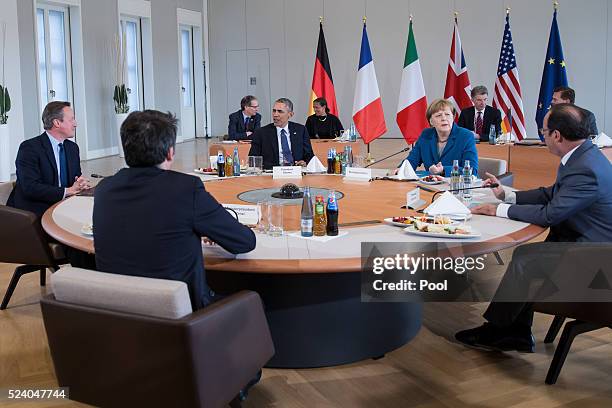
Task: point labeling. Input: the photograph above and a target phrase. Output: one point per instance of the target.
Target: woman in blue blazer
(444, 142)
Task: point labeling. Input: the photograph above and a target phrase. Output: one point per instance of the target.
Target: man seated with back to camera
(149, 220)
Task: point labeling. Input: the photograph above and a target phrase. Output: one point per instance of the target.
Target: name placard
(358, 173)
(282, 172)
(247, 214)
(413, 199)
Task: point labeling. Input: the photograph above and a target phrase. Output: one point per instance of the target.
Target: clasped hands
(80, 184)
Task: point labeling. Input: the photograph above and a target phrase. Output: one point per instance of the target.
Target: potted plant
(120, 94)
(5, 107)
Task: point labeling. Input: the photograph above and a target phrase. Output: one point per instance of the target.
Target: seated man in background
(149, 220)
(48, 166)
(243, 123)
(577, 208)
(565, 94)
(282, 142)
(480, 117)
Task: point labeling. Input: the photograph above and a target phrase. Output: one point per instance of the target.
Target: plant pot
(5, 155)
(120, 117)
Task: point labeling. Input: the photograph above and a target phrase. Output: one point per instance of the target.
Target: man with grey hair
(48, 166)
(282, 142)
(480, 117)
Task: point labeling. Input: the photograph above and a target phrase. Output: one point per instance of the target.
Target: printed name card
(247, 214)
(282, 172)
(413, 199)
(358, 173)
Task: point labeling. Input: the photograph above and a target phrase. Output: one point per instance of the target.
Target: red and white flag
(507, 97)
(368, 112)
(458, 88)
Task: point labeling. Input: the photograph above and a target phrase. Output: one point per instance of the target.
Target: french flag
(367, 107)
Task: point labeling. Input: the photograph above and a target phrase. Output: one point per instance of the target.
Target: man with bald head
(576, 208)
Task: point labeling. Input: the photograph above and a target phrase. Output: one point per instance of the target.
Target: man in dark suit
(48, 166)
(577, 208)
(282, 142)
(565, 94)
(149, 221)
(480, 117)
(243, 123)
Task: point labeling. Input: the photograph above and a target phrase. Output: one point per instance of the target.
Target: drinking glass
(255, 164)
(275, 219)
(264, 216)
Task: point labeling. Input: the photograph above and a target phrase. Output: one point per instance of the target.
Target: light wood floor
(430, 371)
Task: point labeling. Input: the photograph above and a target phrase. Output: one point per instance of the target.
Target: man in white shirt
(576, 208)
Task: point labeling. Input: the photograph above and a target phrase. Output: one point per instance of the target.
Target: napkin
(447, 204)
(315, 166)
(406, 172)
(602, 140)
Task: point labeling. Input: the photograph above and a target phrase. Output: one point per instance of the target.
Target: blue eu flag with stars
(554, 74)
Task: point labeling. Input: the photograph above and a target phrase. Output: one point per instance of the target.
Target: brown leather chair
(22, 241)
(110, 358)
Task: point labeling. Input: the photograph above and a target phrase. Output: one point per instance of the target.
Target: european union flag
(554, 73)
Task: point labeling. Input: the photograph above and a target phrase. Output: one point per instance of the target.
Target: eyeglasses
(254, 107)
(542, 130)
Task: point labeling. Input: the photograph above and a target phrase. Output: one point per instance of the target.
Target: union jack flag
(507, 97)
(458, 88)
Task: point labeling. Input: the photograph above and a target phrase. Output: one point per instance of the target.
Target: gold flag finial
(320, 19)
(507, 10)
(456, 13)
(411, 17)
(364, 19)
(556, 5)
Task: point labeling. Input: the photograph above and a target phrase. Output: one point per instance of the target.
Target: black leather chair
(22, 241)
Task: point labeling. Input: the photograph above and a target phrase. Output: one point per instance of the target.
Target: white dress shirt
(510, 196)
(280, 145)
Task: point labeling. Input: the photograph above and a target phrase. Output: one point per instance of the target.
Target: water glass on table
(275, 219)
(255, 164)
(264, 216)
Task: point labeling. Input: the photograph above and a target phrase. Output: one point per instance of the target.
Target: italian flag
(412, 103)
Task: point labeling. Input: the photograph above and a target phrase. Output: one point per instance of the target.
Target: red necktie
(479, 123)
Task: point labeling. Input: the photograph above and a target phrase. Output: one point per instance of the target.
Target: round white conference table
(311, 289)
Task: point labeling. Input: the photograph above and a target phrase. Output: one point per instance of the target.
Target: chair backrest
(22, 240)
(163, 298)
(5, 191)
(489, 165)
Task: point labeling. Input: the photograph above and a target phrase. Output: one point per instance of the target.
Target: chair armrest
(230, 342)
(507, 179)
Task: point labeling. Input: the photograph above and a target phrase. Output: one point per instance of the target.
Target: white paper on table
(603, 140)
(406, 172)
(324, 238)
(447, 204)
(315, 166)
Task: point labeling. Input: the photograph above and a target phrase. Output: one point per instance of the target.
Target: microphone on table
(391, 155)
(492, 185)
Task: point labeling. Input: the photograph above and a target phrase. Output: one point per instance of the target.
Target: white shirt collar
(54, 141)
(278, 129)
(567, 156)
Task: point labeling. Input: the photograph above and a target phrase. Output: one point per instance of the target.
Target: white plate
(458, 217)
(87, 229)
(431, 183)
(210, 173)
(411, 230)
(401, 224)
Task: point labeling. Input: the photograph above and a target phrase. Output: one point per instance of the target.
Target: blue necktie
(287, 156)
(63, 166)
(246, 123)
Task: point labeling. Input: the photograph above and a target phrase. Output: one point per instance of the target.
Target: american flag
(458, 88)
(508, 88)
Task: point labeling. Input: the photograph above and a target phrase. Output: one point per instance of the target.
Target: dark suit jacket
(591, 123)
(578, 206)
(149, 222)
(265, 143)
(460, 146)
(492, 116)
(236, 129)
(37, 175)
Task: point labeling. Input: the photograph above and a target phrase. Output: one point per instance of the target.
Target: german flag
(322, 82)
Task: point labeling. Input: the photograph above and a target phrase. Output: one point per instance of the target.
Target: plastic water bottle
(455, 179)
(236, 162)
(221, 164)
(467, 182)
(306, 218)
(352, 133)
(492, 135)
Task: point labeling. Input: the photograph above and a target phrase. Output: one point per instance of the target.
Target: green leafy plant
(120, 96)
